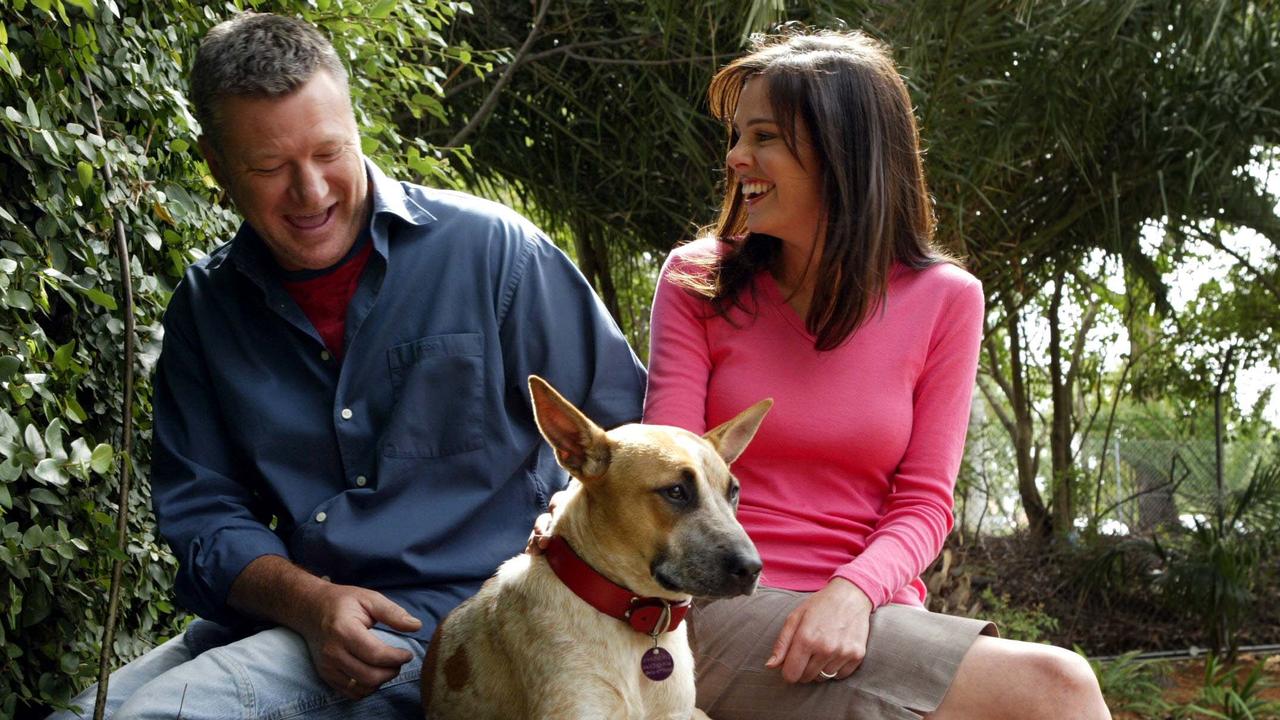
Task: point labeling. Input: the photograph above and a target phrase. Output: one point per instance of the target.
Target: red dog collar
(643, 614)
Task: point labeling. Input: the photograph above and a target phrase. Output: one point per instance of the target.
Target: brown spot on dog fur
(457, 669)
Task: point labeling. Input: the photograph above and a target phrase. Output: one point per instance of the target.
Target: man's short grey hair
(256, 55)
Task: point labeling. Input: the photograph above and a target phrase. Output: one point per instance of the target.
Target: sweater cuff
(864, 581)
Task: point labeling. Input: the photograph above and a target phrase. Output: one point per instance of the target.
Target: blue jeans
(267, 676)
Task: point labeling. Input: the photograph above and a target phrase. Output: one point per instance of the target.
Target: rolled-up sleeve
(215, 523)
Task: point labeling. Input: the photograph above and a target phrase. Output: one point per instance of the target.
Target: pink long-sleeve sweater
(852, 472)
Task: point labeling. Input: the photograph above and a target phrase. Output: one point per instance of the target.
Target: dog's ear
(580, 445)
(731, 438)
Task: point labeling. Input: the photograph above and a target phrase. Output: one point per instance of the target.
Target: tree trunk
(1023, 434)
(1060, 426)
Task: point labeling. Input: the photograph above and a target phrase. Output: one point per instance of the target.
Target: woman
(821, 288)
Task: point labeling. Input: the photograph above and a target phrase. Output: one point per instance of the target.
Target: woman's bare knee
(1009, 679)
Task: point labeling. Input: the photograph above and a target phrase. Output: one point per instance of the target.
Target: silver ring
(826, 675)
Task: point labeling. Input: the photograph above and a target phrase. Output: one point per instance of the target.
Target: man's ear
(211, 159)
(731, 438)
(580, 445)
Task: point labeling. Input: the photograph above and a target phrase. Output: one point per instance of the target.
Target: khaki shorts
(912, 656)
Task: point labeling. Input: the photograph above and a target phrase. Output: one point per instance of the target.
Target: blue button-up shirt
(412, 466)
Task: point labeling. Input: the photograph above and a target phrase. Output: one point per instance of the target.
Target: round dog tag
(657, 664)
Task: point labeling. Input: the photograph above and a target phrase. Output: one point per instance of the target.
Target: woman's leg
(1010, 679)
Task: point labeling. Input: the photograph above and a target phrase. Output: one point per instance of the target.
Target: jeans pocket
(438, 383)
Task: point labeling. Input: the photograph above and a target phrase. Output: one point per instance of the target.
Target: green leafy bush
(1132, 685)
(62, 337)
(1016, 623)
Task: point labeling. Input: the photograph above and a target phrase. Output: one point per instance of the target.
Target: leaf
(6, 501)
(99, 297)
(50, 471)
(74, 412)
(48, 139)
(102, 458)
(382, 9)
(8, 366)
(12, 113)
(62, 356)
(85, 172)
(33, 537)
(31, 436)
(18, 299)
(179, 145)
(80, 453)
(70, 662)
(53, 437)
(45, 496)
(8, 265)
(75, 129)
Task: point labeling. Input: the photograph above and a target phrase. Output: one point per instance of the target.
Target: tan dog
(649, 524)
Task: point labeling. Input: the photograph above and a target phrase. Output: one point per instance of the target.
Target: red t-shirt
(324, 297)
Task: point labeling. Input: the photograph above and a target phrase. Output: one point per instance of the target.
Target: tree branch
(491, 101)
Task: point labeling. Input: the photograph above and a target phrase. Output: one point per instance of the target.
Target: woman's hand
(827, 633)
(541, 533)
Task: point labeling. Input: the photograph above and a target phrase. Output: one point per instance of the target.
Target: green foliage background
(61, 332)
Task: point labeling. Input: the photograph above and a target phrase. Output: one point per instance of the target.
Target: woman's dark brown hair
(846, 90)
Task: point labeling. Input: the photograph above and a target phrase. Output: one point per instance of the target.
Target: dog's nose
(744, 568)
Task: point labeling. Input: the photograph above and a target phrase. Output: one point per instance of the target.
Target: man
(343, 446)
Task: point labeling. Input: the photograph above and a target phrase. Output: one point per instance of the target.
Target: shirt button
(361, 481)
(324, 355)
(346, 413)
(320, 517)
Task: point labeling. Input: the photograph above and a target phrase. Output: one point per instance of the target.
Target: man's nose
(309, 186)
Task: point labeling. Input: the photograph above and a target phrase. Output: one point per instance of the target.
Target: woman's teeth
(751, 189)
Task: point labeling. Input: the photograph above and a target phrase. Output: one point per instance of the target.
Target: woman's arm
(918, 511)
(679, 357)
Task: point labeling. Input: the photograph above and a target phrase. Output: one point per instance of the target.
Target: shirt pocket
(438, 385)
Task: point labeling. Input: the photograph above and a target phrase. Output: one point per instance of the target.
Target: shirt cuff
(220, 561)
(872, 588)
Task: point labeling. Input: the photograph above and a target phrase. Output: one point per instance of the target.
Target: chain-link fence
(1134, 481)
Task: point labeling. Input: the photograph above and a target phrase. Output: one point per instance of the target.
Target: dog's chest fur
(537, 650)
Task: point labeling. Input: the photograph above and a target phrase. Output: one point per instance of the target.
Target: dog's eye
(676, 493)
(733, 492)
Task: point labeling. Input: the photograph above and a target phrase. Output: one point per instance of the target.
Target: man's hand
(333, 619)
(827, 633)
(347, 656)
(540, 536)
